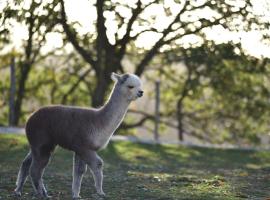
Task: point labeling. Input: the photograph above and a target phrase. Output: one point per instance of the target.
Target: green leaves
(227, 98)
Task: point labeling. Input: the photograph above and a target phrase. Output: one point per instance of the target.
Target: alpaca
(81, 130)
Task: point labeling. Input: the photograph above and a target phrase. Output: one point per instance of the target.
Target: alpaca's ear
(115, 77)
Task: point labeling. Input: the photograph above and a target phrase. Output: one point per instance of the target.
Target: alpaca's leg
(79, 168)
(39, 162)
(96, 165)
(23, 173)
(97, 170)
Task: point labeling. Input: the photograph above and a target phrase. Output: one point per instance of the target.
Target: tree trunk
(179, 120)
(12, 93)
(179, 107)
(157, 105)
(21, 92)
(98, 95)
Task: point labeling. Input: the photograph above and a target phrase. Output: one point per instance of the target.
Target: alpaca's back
(61, 125)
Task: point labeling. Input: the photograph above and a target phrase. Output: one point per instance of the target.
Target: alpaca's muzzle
(140, 93)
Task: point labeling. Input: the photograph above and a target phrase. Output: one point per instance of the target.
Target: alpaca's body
(81, 130)
(71, 124)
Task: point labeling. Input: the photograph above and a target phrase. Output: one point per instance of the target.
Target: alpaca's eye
(130, 86)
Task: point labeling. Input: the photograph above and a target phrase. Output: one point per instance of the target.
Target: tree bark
(12, 93)
(157, 117)
(99, 92)
(180, 121)
(21, 92)
(25, 68)
(179, 108)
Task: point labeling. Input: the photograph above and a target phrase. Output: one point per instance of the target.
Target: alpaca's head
(128, 85)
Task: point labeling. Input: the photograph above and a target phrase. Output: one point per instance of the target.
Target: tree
(105, 56)
(222, 95)
(40, 19)
(106, 48)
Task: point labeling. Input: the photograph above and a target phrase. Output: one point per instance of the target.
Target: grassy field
(140, 171)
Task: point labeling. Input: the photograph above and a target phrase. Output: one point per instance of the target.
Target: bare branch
(41, 43)
(139, 123)
(74, 86)
(143, 31)
(72, 38)
(206, 23)
(103, 46)
(123, 42)
(154, 50)
(146, 117)
(127, 38)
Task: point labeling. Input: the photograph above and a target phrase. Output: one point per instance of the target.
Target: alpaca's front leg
(96, 165)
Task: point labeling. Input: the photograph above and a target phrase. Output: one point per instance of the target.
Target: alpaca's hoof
(43, 196)
(102, 194)
(17, 193)
(76, 198)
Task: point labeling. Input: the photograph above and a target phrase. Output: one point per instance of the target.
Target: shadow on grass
(212, 173)
(141, 171)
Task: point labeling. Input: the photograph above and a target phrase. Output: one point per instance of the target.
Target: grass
(140, 171)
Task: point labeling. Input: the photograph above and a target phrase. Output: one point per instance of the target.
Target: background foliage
(212, 90)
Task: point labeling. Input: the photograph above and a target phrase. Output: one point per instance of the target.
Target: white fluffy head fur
(129, 84)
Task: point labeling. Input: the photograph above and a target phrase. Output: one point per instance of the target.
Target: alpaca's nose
(140, 93)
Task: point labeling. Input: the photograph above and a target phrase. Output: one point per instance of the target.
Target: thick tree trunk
(99, 93)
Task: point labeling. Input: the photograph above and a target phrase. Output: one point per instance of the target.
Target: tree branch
(74, 86)
(206, 23)
(29, 46)
(144, 119)
(136, 124)
(153, 51)
(72, 38)
(127, 38)
(124, 41)
(41, 42)
(102, 43)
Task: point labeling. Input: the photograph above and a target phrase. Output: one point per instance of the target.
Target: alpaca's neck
(112, 114)
(115, 108)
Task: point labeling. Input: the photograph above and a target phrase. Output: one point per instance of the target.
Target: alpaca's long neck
(115, 108)
(113, 112)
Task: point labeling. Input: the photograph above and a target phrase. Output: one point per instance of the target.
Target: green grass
(140, 171)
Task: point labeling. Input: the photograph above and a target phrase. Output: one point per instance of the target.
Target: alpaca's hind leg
(96, 165)
(79, 168)
(39, 162)
(23, 173)
(97, 171)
